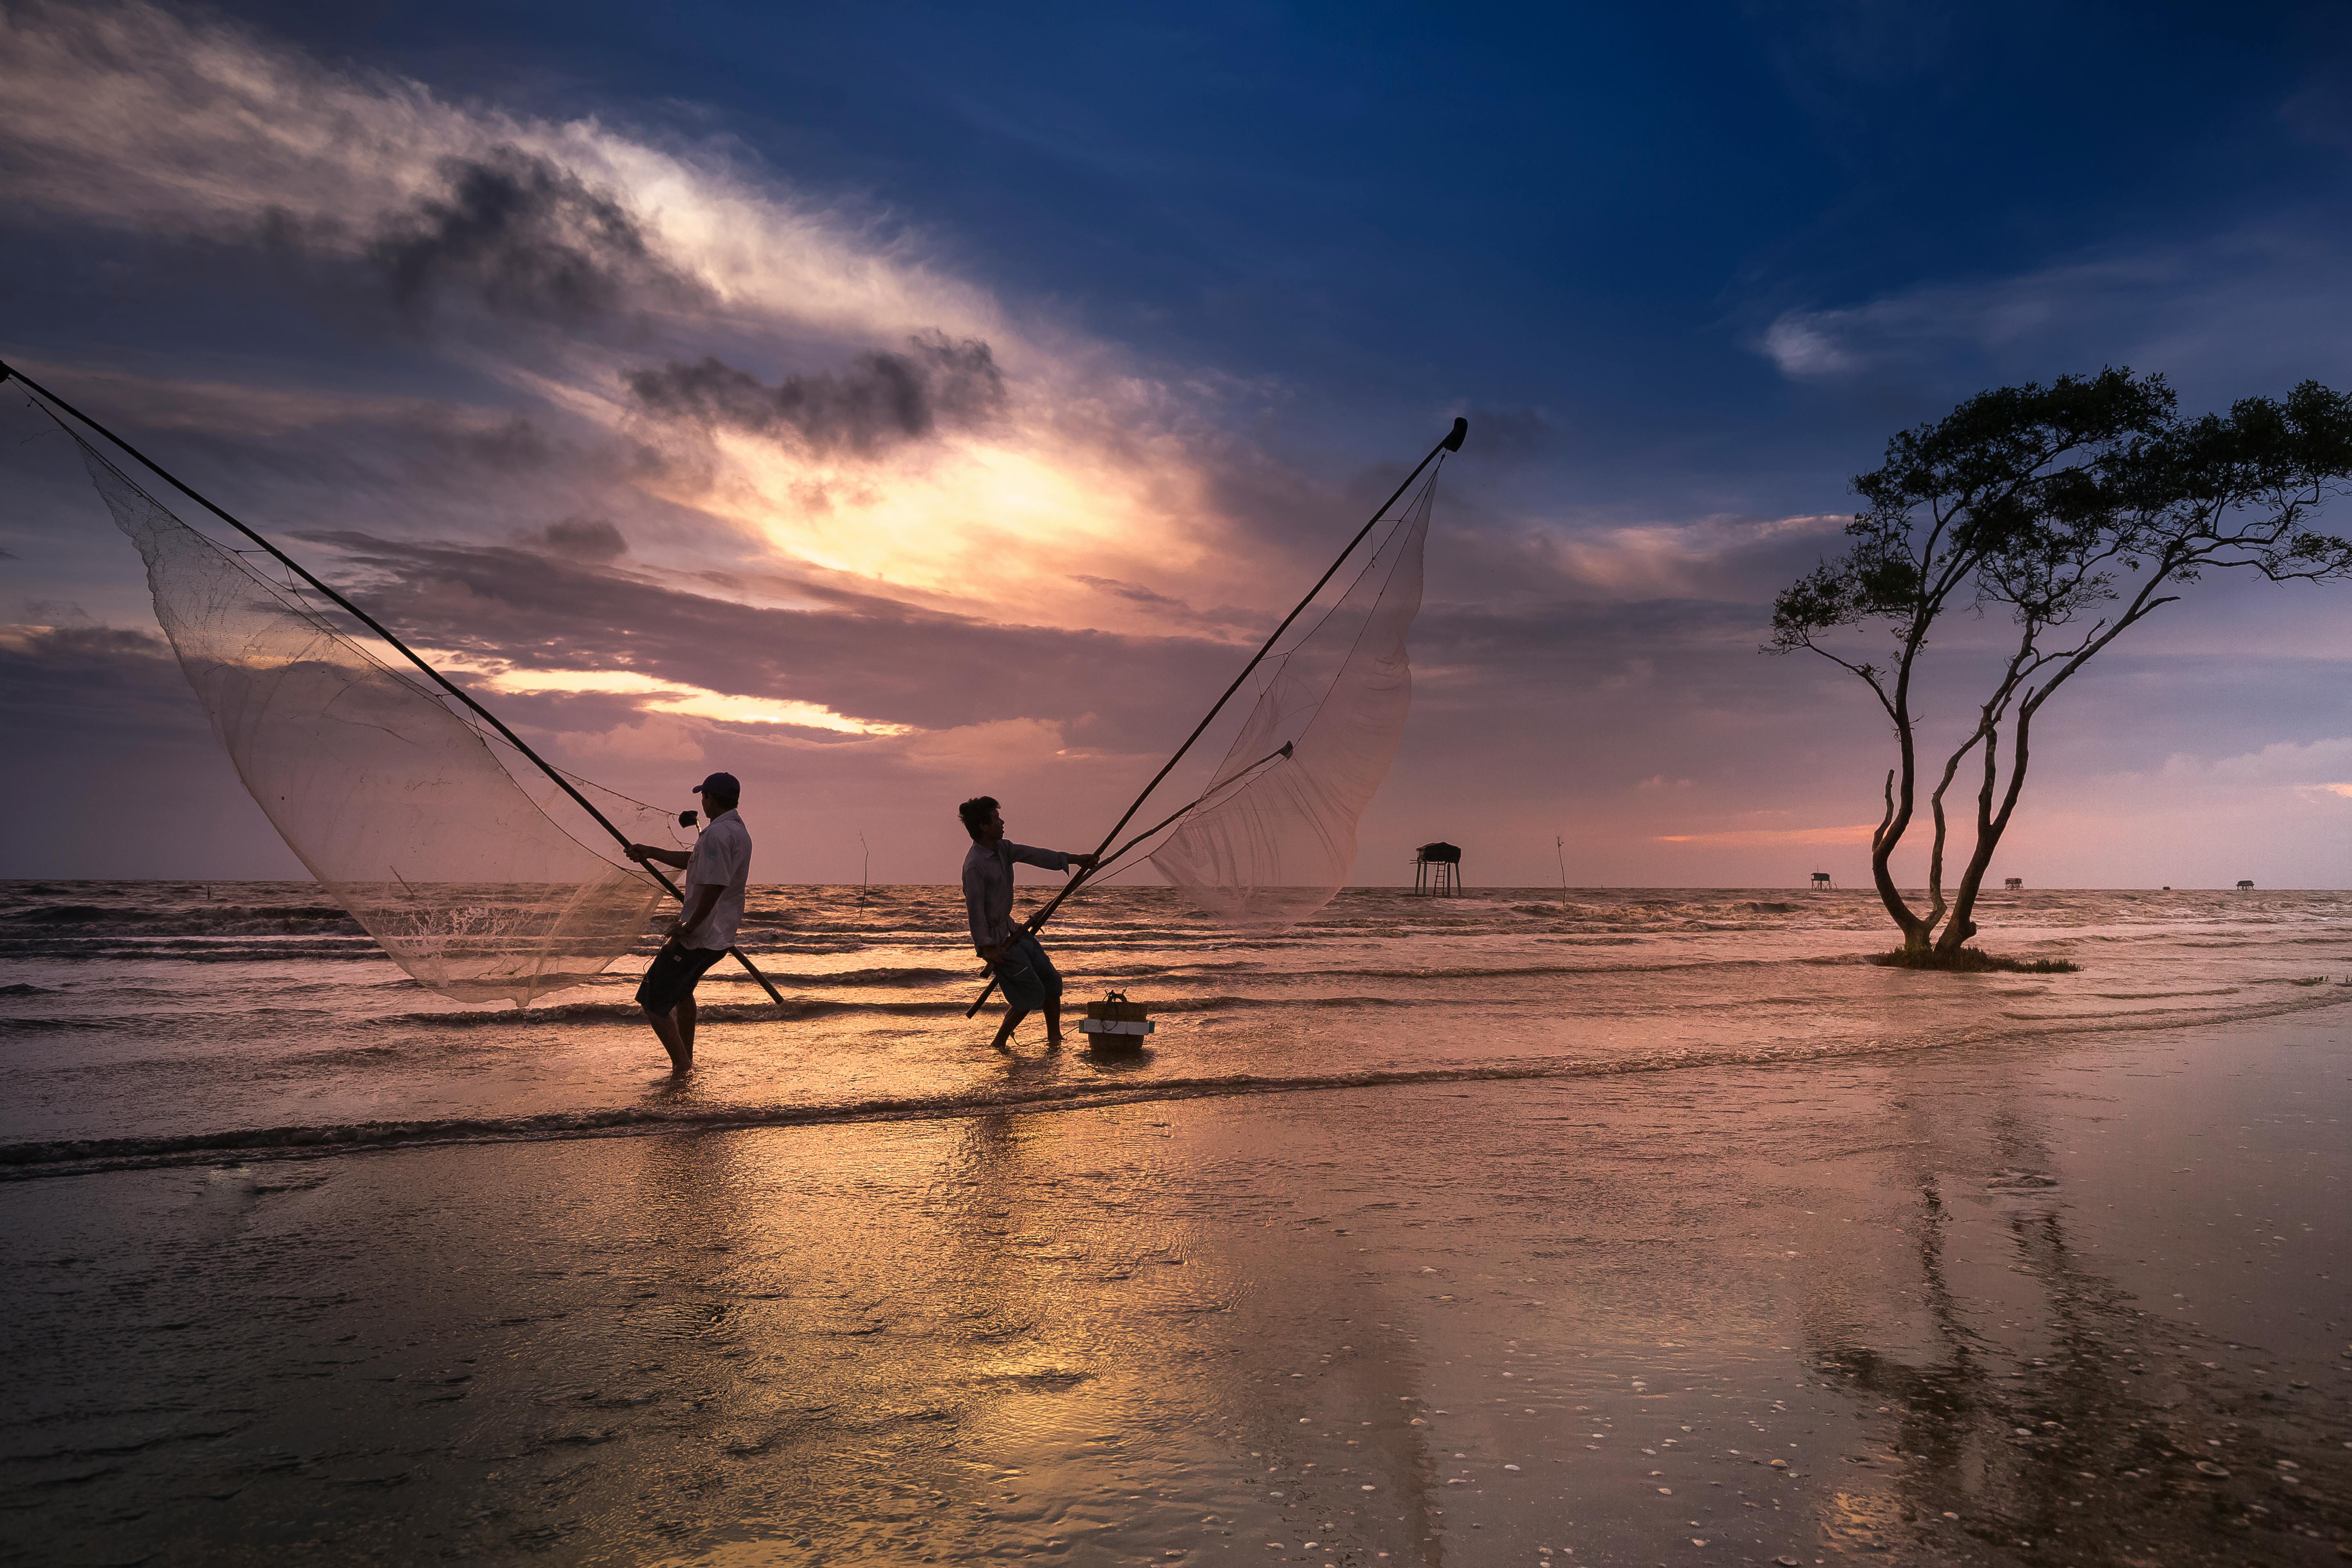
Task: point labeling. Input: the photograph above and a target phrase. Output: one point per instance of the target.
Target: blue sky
(1686, 269)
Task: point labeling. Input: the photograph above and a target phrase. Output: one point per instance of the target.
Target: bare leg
(686, 1026)
(1053, 1025)
(681, 1054)
(1012, 1016)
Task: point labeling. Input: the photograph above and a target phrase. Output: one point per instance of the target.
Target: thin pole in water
(8, 371)
(865, 876)
(1559, 852)
(1451, 442)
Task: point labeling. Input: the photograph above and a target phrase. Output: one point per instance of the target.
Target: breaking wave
(63, 1157)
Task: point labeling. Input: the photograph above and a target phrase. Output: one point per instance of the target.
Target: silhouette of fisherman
(715, 872)
(1012, 954)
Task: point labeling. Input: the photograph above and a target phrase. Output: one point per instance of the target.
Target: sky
(894, 403)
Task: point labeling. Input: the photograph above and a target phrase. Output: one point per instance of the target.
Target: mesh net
(1274, 838)
(399, 807)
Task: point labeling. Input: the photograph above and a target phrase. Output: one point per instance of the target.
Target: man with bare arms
(1012, 953)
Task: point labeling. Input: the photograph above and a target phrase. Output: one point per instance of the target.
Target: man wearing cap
(715, 873)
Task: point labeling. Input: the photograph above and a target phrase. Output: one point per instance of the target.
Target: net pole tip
(1454, 437)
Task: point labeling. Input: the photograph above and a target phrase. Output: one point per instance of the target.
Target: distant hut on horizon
(1437, 870)
(2014, 884)
(1821, 880)
(2246, 887)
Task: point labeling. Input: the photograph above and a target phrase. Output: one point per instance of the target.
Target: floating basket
(1114, 1023)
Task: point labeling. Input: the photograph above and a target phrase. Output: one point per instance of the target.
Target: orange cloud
(693, 701)
(1767, 838)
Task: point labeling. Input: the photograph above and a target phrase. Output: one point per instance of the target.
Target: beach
(1604, 1228)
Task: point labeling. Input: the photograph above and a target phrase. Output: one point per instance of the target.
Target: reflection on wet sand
(1111, 1336)
(1748, 1315)
(2055, 1413)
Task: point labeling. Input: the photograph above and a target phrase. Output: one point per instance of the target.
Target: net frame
(510, 935)
(1272, 840)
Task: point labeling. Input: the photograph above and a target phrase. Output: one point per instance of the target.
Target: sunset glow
(995, 528)
(671, 697)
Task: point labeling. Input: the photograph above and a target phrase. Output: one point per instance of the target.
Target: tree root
(1972, 961)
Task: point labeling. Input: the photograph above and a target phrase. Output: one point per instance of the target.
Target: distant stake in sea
(1437, 870)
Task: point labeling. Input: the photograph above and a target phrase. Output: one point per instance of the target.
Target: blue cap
(720, 783)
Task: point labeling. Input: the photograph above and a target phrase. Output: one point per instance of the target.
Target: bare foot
(1053, 1042)
(680, 1065)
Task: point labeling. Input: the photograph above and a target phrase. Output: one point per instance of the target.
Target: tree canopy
(2078, 508)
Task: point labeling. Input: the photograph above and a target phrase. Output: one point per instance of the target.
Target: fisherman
(1012, 953)
(715, 873)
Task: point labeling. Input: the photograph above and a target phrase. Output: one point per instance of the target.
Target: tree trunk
(1915, 932)
(1891, 828)
(1990, 825)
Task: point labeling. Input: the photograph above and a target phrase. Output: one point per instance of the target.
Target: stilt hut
(1821, 881)
(2014, 884)
(1437, 871)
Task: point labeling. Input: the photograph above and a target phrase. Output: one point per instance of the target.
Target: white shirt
(722, 859)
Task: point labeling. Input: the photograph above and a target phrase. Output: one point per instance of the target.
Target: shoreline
(39, 1160)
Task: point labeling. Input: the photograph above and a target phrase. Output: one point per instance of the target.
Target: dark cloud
(516, 443)
(870, 657)
(581, 539)
(285, 234)
(53, 680)
(526, 236)
(61, 646)
(1133, 591)
(880, 399)
(1223, 617)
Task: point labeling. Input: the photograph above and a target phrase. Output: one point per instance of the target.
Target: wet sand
(2036, 1303)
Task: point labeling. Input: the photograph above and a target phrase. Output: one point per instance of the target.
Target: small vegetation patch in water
(1974, 961)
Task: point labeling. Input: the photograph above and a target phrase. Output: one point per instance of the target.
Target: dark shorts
(669, 979)
(1028, 976)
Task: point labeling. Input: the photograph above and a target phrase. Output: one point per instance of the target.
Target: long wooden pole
(1452, 442)
(8, 371)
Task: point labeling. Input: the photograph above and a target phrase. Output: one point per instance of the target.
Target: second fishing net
(1273, 842)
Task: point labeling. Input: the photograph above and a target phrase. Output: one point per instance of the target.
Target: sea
(154, 1023)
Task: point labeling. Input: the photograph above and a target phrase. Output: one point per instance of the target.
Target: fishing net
(398, 804)
(1274, 838)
